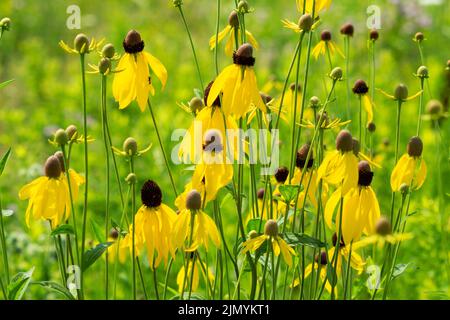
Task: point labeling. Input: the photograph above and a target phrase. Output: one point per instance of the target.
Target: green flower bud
(434, 107)
(314, 102)
(61, 137)
(422, 72)
(243, 6)
(81, 43)
(131, 179)
(336, 74)
(5, 23)
(72, 132)
(104, 65)
(401, 92)
(305, 22)
(130, 146)
(196, 104)
(108, 51)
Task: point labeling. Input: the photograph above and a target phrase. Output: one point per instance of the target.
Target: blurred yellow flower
(198, 266)
(308, 5)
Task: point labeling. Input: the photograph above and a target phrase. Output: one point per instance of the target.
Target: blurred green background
(46, 95)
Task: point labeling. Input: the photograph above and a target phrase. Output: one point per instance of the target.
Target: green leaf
(4, 84)
(63, 229)
(399, 269)
(92, 255)
(253, 224)
(227, 198)
(50, 285)
(289, 192)
(97, 231)
(294, 239)
(19, 284)
(115, 225)
(331, 275)
(4, 160)
(7, 212)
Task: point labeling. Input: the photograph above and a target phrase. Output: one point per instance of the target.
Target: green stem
(419, 113)
(3, 244)
(397, 140)
(192, 46)
(86, 170)
(133, 236)
(162, 148)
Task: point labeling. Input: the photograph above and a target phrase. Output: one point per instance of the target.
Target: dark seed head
(373, 35)
(52, 167)
(133, 42)
(347, 29)
(371, 127)
(325, 35)
(302, 154)
(322, 258)
(233, 19)
(193, 200)
(60, 157)
(265, 97)
(281, 174)
(151, 194)
(113, 233)
(415, 147)
(344, 141)
(216, 102)
(260, 194)
(292, 87)
(271, 228)
(244, 55)
(365, 175)
(334, 240)
(383, 226)
(104, 65)
(360, 87)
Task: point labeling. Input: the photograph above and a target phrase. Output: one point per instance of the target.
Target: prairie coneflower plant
(326, 46)
(237, 83)
(232, 30)
(134, 82)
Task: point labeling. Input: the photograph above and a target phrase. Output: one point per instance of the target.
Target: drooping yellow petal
(368, 106)
(222, 34)
(157, 67)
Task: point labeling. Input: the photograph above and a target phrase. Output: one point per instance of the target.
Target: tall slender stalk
(162, 148)
(86, 170)
(3, 244)
(133, 236)
(180, 9)
(107, 164)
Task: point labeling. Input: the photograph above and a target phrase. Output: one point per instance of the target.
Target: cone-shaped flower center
(52, 167)
(151, 194)
(244, 55)
(133, 42)
(360, 87)
(344, 141)
(271, 228)
(302, 154)
(193, 200)
(365, 175)
(415, 147)
(281, 174)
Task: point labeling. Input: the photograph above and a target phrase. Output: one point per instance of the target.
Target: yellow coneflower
(360, 210)
(81, 45)
(49, 195)
(318, 5)
(194, 226)
(383, 234)
(237, 82)
(134, 82)
(410, 168)
(321, 262)
(153, 226)
(340, 167)
(273, 239)
(198, 267)
(326, 122)
(208, 118)
(214, 170)
(361, 89)
(232, 30)
(305, 24)
(325, 44)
